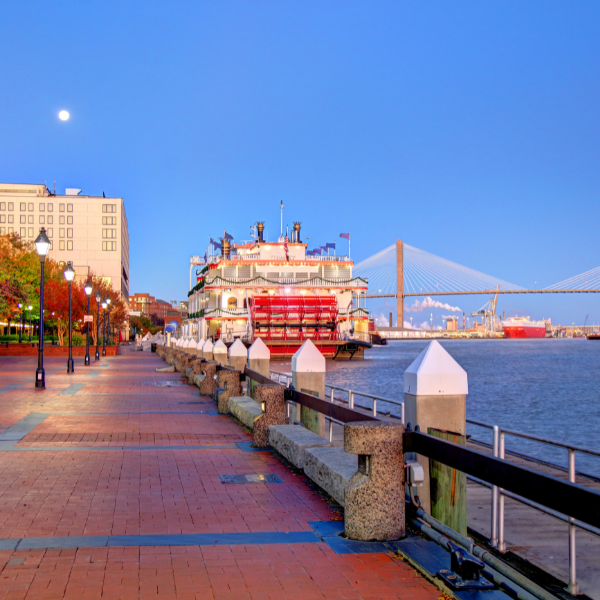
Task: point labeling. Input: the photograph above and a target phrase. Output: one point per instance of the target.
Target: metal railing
(262, 281)
(351, 394)
(215, 258)
(497, 538)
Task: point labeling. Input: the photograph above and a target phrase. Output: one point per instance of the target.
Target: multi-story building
(150, 307)
(89, 231)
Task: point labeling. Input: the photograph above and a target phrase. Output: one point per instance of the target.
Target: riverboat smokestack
(296, 237)
(226, 249)
(260, 228)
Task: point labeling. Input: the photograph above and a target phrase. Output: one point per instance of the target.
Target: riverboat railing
(216, 258)
(261, 281)
(497, 538)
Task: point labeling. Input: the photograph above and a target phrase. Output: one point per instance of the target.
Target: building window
(61, 232)
(23, 206)
(69, 233)
(30, 219)
(51, 245)
(2, 218)
(30, 232)
(69, 245)
(49, 232)
(61, 220)
(11, 206)
(30, 207)
(2, 205)
(42, 220)
(50, 219)
(23, 219)
(69, 220)
(50, 206)
(42, 207)
(61, 207)
(61, 245)
(69, 208)
(11, 218)
(109, 208)
(10, 230)
(22, 232)
(109, 245)
(2, 230)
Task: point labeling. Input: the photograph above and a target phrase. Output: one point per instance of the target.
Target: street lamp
(108, 315)
(21, 329)
(104, 330)
(29, 308)
(88, 292)
(69, 274)
(52, 314)
(98, 299)
(42, 245)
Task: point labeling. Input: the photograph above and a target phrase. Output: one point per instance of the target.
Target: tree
(118, 311)
(57, 302)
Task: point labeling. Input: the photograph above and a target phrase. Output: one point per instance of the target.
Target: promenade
(114, 487)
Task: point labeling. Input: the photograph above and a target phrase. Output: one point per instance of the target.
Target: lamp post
(104, 330)
(29, 308)
(88, 292)
(69, 274)
(21, 328)
(42, 245)
(108, 316)
(98, 299)
(52, 331)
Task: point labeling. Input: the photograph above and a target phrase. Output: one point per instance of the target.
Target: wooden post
(448, 487)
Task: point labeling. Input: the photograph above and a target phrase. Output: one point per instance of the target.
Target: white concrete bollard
(259, 357)
(207, 350)
(199, 347)
(308, 375)
(220, 352)
(435, 396)
(192, 347)
(238, 355)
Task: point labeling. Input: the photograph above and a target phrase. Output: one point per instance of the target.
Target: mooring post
(207, 350)
(238, 355)
(259, 360)
(374, 496)
(220, 352)
(435, 393)
(199, 345)
(308, 375)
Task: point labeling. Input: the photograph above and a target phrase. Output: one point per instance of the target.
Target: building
(150, 307)
(452, 324)
(89, 231)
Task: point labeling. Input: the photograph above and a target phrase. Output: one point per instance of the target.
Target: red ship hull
(519, 331)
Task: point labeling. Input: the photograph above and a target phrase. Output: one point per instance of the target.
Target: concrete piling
(238, 355)
(308, 375)
(220, 352)
(207, 350)
(259, 360)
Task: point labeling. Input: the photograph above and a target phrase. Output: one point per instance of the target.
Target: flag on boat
(226, 236)
(317, 251)
(215, 244)
(332, 246)
(346, 236)
(205, 257)
(285, 247)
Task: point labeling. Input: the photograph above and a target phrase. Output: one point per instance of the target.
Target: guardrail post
(259, 360)
(572, 588)
(374, 496)
(272, 400)
(435, 389)
(494, 528)
(238, 355)
(220, 352)
(308, 375)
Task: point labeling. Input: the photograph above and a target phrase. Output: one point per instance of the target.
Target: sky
(467, 129)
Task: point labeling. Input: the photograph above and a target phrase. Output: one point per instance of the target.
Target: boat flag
(285, 246)
(226, 236)
(332, 246)
(346, 236)
(215, 244)
(317, 251)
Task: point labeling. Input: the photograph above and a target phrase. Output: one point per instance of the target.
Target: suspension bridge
(400, 271)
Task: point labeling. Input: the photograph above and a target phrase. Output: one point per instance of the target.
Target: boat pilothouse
(281, 292)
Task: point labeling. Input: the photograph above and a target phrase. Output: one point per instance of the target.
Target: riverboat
(280, 292)
(593, 336)
(523, 327)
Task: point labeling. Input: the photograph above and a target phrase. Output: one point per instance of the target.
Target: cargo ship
(281, 292)
(523, 327)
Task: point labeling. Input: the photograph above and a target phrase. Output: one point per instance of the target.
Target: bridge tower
(400, 282)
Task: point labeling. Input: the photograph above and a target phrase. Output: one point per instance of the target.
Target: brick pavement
(79, 470)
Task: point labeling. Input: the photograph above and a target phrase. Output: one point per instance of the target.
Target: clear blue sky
(468, 129)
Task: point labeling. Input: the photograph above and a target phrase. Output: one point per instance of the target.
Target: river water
(545, 387)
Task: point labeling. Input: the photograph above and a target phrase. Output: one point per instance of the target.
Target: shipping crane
(488, 312)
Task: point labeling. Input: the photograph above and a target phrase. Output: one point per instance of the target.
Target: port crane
(488, 312)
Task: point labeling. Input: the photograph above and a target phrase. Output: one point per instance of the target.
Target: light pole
(52, 331)
(88, 292)
(108, 315)
(69, 274)
(98, 299)
(104, 330)
(42, 245)
(21, 328)
(29, 308)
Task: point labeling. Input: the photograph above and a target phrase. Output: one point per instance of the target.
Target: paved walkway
(112, 487)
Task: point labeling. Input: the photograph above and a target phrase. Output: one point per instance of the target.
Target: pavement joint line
(72, 389)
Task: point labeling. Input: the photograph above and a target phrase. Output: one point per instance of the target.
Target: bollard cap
(435, 373)
(220, 347)
(308, 359)
(238, 349)
(259, 350)
(200, 343)
(372, 437)
(192, 343)
(208, 346)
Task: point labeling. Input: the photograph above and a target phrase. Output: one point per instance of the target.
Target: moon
(64, 115)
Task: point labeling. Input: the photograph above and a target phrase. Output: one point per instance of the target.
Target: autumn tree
(57, 301)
